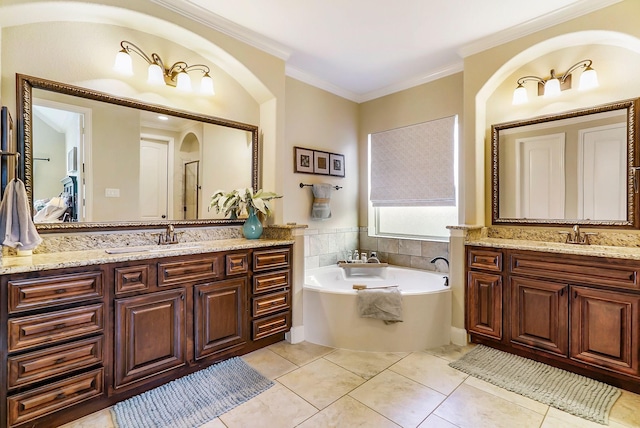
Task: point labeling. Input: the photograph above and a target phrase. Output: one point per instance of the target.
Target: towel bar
(309, 185)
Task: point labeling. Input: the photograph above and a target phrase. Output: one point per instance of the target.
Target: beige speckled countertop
(631, 253)
(66, 259)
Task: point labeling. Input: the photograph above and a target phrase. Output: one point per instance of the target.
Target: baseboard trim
(459, 336)
(295, 335)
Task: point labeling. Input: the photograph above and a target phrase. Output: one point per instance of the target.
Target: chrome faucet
(168, 237)
(578, 237)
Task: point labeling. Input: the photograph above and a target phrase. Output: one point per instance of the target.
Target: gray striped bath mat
(194, 399)
(569, 392)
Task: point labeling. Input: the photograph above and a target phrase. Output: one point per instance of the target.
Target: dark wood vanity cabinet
(76, 340)
(580, 313)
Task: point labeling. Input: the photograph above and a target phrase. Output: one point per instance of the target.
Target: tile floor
(323, 387)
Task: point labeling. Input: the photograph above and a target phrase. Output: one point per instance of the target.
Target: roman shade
(414, 165)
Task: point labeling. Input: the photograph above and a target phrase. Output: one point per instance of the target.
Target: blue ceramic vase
(252, 228)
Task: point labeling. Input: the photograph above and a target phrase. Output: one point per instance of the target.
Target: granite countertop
(630, 253)
(66, 259)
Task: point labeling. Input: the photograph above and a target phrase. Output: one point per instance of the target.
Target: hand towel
(320, 209)
(382, 304)
(16, 225)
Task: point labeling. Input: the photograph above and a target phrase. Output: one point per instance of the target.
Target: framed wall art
(321, 163)
(336, 165)
(303, 160)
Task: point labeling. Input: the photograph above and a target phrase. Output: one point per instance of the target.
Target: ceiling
(364, 49)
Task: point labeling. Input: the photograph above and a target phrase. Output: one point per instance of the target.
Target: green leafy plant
(238, 202)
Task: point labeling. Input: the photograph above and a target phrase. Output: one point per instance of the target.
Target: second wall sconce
(553, 85)
(157, 74)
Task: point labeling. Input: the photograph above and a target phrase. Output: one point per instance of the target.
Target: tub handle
(446, 281)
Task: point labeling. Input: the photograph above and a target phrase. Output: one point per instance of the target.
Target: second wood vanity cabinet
(580, 313)
(81, 339)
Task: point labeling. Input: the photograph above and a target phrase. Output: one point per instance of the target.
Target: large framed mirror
(93, 161)
(576, 167)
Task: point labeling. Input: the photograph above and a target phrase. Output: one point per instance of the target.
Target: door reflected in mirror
(571, 168)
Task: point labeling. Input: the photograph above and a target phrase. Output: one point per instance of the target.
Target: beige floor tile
(400, 399)
(276, 407)
(364, 364)
(626, 410)
(557, 418)
(470, 407)
(100, 419)
(512, 397)
(216, 423)
(430, 371)
(321, 382)
(347, 412)
(451, 352)
(300, 353)
(434, 421)
(268, 363)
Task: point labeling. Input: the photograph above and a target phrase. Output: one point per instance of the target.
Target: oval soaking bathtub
(331, 318)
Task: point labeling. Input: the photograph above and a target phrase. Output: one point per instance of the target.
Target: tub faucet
(168, 237)
(439, 266)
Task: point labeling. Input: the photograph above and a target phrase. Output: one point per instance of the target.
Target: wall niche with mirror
(126, 158)
(576, 167)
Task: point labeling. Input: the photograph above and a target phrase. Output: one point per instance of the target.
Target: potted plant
(240, 202)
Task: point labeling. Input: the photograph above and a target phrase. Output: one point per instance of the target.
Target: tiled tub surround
(324, 247)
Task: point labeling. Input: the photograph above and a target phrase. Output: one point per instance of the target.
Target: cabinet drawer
(54, 327)
(270, 303)
(270, 281)
(35, 293)
(237, 263)
(271, 325)
(271, 259)
(51, 398)
(132, 278)
(188, 270)
(40, 365)
(583, 271)
(490, 260)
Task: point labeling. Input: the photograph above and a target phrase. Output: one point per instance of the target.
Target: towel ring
(309, 185)
(17, 155)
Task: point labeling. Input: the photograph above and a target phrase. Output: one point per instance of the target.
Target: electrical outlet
(112, 193)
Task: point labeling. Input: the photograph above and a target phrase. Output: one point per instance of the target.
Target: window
(413, 180)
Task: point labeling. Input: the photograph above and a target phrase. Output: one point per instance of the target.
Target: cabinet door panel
(605, 328)
(484, 304)
(220, 316)
(539, 314)
(149, 335)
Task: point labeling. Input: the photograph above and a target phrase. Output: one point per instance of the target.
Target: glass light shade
(183, 82)
(552, 88)
(123, 63)
(206, 85)
(588, 79)
(155, 75)
(520, 96)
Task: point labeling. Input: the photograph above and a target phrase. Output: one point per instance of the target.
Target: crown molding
(559, 16)
(223, 25)
(313, 80)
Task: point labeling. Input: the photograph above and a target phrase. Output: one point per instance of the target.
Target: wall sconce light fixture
(555, 84)
(157, 74)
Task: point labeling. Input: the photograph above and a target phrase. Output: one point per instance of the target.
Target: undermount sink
(151, 248)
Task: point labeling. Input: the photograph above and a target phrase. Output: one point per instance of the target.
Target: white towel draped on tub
(320, 209)
(382, 304)
(16, 225)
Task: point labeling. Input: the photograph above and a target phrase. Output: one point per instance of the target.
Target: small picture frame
(303, 160)
(321, 162)
(336, 165)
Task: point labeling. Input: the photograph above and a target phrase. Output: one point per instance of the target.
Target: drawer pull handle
(61, 396)
(61, 291)
(59, 326)
(60, 360)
